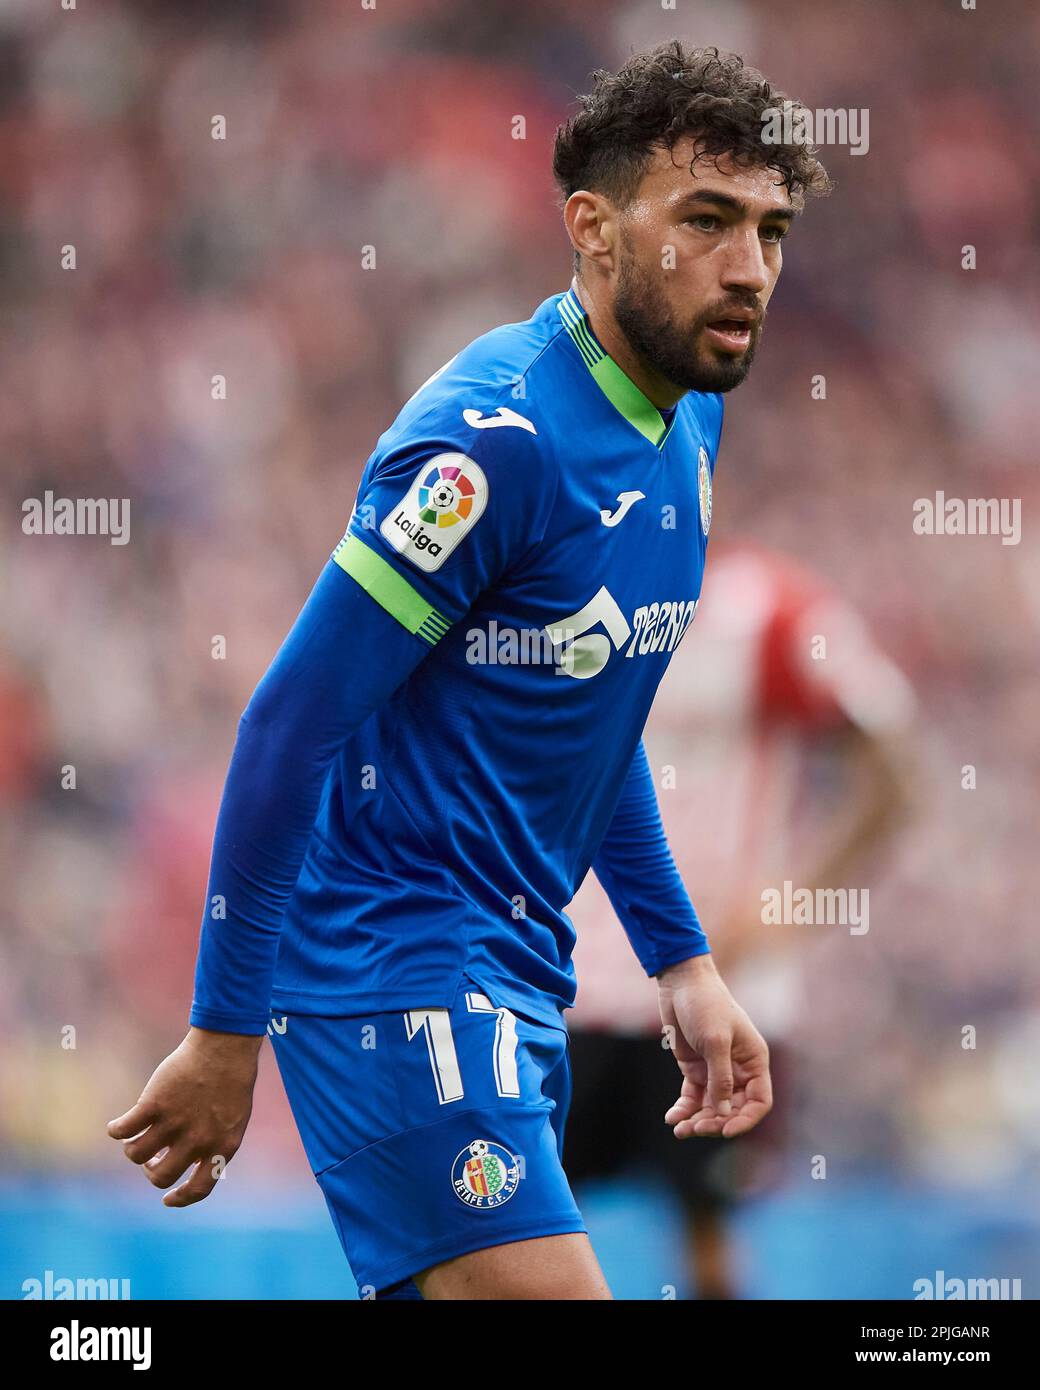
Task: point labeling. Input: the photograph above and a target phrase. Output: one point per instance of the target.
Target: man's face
(698, 324)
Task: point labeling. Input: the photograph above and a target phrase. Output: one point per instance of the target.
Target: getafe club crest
(446, 498)
(484, 1174)
(704, 488)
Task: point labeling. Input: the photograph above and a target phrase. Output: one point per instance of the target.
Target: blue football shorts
(431, 1133)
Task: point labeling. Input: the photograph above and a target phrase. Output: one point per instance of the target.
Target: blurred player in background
(779, 756)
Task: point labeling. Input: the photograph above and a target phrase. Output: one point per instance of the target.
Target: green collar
(620, 390)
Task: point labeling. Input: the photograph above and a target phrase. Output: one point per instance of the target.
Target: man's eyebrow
(706, 196)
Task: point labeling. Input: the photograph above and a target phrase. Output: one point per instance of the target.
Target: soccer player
(450, 735)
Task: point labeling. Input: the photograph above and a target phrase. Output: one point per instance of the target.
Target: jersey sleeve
(442, 515)
(316, 692)
(432, 528)
(636, 868)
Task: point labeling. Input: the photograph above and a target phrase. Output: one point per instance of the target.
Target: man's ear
(592, 227)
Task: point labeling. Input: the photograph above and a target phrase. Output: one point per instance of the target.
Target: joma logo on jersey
(655, 627)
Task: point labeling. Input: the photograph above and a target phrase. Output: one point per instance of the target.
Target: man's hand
(196, 1106)
(723, 1058)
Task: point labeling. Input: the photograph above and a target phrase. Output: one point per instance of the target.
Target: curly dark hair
(663, 94)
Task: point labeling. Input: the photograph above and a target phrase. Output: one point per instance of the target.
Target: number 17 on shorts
(433, 1132)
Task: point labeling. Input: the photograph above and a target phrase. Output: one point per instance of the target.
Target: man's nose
(745, 266)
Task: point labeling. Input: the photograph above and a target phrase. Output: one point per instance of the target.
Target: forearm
(636, 868)
(267, 812)
(343, 659)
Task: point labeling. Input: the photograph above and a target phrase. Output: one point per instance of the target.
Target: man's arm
(342, 660)
(381, 603)
(635, 866)
(723, 1058)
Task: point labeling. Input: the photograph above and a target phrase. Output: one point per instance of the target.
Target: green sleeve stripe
(390, 590)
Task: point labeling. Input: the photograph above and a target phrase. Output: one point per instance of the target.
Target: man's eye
(705, 221)
(773, 235)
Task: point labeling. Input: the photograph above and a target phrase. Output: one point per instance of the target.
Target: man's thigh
(549, 1267)
(433, 1134)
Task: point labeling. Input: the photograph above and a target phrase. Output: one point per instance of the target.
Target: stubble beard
(672, 349)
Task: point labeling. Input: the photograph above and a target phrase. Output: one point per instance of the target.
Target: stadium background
(391, 128)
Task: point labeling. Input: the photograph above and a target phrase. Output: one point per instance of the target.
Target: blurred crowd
(368, 212)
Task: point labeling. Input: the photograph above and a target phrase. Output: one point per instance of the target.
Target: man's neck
(663, 393)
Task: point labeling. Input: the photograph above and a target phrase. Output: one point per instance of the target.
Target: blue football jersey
(536, 522)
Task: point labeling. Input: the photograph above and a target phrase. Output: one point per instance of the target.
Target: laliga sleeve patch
(445, 500)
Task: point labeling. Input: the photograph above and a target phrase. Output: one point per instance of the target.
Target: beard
(674, 349)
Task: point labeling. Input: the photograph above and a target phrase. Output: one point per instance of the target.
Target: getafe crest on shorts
(484, 1174)
(704, 488)
(446, 499)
